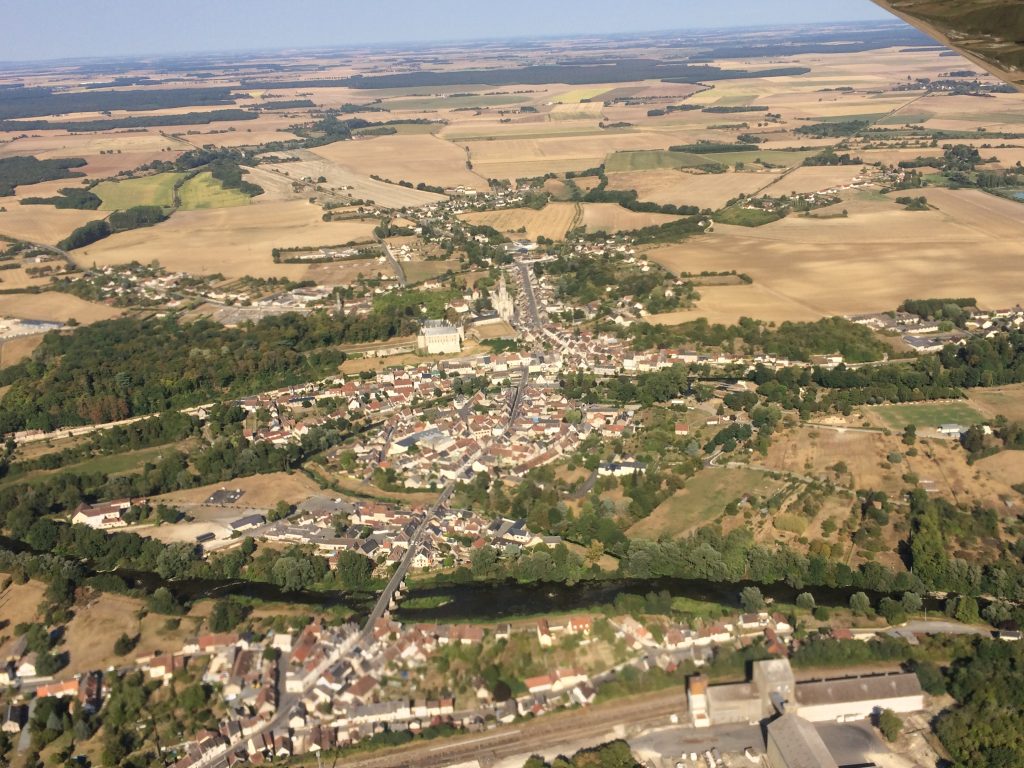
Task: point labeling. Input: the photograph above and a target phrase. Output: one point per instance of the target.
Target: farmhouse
(102, 516)
(247, 523)
(437, 337)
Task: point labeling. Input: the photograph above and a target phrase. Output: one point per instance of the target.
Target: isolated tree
(860, 604)
(124, 645)
(890, 724)
(910, 435)
(912, 602)
(752, 600)
(805, 601)
(892, 611)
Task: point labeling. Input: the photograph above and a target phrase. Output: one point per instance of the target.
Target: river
(506, 600)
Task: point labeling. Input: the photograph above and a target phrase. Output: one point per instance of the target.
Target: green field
(403, 129)
(926, 415)
(114, 464)
(653, 159)
(745, 217)
(703, 500)
(773, 156)
(907, 118)
(148, 190)
(204, 191)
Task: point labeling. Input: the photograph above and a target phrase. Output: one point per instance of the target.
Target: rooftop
(875, 687)
(799, 743)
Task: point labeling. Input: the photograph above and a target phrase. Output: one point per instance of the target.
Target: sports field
(924, 415)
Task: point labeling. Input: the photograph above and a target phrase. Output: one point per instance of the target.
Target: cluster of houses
(322, 687)
(384, 533)
(923, 335)
(547, 426)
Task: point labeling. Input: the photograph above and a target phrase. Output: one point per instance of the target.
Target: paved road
(585, 488)
(533, 320)
(395, 264)
(396, 580)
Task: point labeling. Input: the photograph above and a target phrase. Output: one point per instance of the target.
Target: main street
(395, 582)
(526, 272)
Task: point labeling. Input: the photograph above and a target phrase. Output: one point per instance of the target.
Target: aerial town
(597, 397)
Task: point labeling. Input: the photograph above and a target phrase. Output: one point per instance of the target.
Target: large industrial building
(794, 743)
(856, 698)
(773, 689)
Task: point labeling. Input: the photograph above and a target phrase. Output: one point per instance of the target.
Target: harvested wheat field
(13, 351)
(553, 221)
(705, 190)
(419, 158)
(874, 259)
(19, 279)
(516, 158)
(1005, 401)
(815, 179)
(231, 241)
(612, 217)
(123, 151)
(54, 307)
(726, 304)
(42, 223)
(342, 181)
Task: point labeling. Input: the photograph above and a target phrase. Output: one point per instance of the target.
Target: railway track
(589, 725)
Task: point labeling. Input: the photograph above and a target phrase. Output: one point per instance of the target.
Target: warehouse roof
(849, 689)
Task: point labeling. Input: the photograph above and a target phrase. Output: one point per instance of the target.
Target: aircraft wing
(988, 32)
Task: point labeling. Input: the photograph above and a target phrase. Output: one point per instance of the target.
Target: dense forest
(986, 727)
(624, 71)
(836, 130)
(127, 367)
(122, 123)
(795, 341)
(69, 197)
(29, 170)
(40, 102)
(119, 221)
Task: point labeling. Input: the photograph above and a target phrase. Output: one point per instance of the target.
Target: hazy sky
(49, 29)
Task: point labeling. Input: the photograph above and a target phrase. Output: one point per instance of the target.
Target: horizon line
(171, 56)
